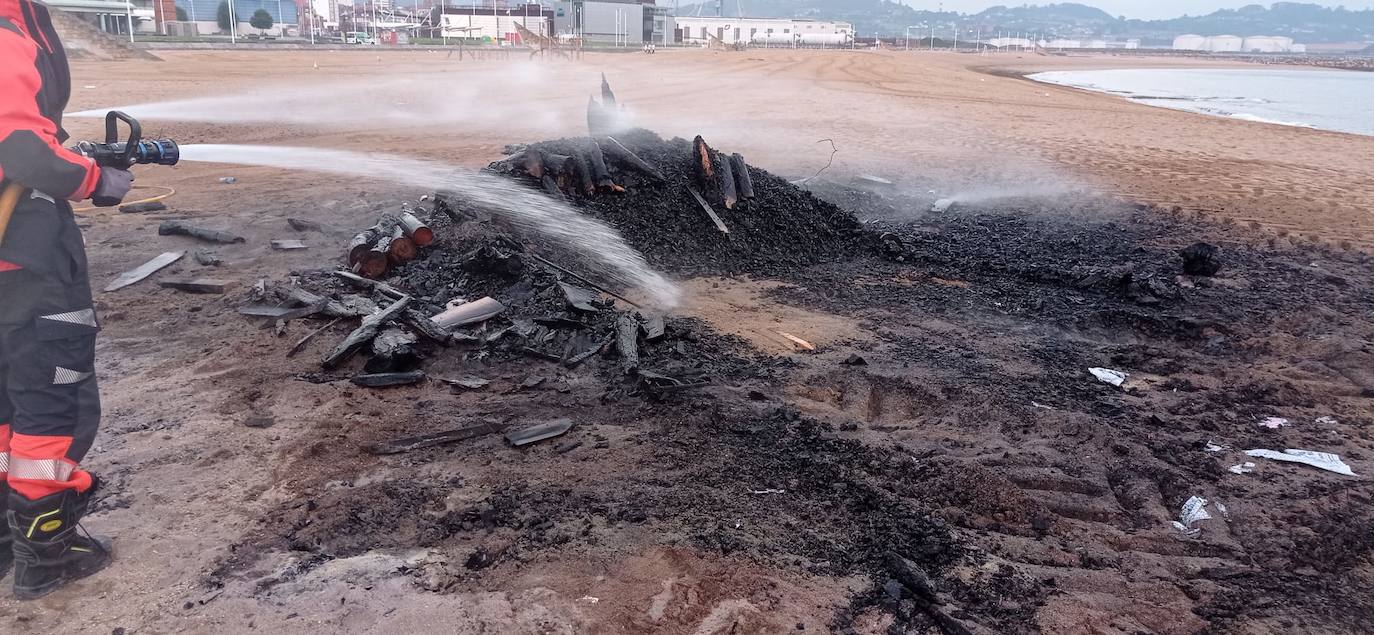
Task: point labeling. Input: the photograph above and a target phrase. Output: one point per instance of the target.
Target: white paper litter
(1327, 420)
(1274, 423)
(1242, 468)
(1194, 511)
(1109, 376)
(1041, 406)
(761, 492)
(1321, 460)
(1212, 447)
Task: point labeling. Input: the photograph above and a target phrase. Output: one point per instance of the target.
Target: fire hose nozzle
(133, 150)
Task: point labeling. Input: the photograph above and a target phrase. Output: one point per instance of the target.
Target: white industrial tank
(774, 39)
(1225, 44)
(1190, 42)
(1267, 44)
(824, 39)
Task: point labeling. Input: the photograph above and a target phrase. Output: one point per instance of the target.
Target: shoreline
(1354, 62)
(1185, 102)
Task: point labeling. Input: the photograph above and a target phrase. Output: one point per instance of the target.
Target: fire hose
(121, 155)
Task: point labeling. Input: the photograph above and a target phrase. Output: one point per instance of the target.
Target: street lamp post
(233, 24)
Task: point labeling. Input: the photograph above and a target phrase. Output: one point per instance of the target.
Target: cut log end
(703, 154)
(416, 230)
(372, 265)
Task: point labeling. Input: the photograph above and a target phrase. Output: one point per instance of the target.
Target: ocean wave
(1245, 116)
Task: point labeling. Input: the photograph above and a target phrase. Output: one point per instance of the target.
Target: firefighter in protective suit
(49, 402)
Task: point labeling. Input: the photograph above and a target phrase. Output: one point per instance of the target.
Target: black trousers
(48, 326)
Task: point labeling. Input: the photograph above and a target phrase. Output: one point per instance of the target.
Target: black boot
(50, 547)
(6, 551)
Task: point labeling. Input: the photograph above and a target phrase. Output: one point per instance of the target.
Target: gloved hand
(113, 186)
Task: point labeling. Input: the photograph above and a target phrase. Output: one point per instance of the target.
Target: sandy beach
(195, 494)
(955, 122)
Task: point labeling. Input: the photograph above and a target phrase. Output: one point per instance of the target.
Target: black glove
(113, 186)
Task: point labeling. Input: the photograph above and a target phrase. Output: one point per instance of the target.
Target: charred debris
(440, 275)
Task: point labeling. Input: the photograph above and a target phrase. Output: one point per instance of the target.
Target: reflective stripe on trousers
(40, 469)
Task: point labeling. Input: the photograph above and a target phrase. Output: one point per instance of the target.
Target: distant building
(115, 16)
(625, 22)
(1061, 44)
(489, 24)
(204, 13)
(1333, 48)
(1234, 44)
(1010, 42)
(764, 31)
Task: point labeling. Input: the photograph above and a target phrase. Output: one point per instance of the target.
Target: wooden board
(149, 268)
(195, 285)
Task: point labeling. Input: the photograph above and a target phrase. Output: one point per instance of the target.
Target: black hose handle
(112, 120)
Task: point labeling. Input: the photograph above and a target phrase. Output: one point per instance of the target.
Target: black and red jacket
(35, 84)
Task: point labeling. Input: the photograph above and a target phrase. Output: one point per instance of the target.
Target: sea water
(1342, 101)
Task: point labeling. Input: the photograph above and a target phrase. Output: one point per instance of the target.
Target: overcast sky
(1151, 9)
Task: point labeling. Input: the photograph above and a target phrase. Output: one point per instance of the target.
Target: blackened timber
(181, 228)
(607, 96)
(585, 281)
(597, 161)
(409, 444)
(383, 380)
(429, 330)
(744, 182)
(332, 308)
(196, 285)
(562, 168)
(726, 175)
(371, 285)
(619, 152)
(627, 339)
(585, 181)
(364, 333)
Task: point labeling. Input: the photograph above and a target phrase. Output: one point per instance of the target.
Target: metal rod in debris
(720, 224)
(587, 282)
